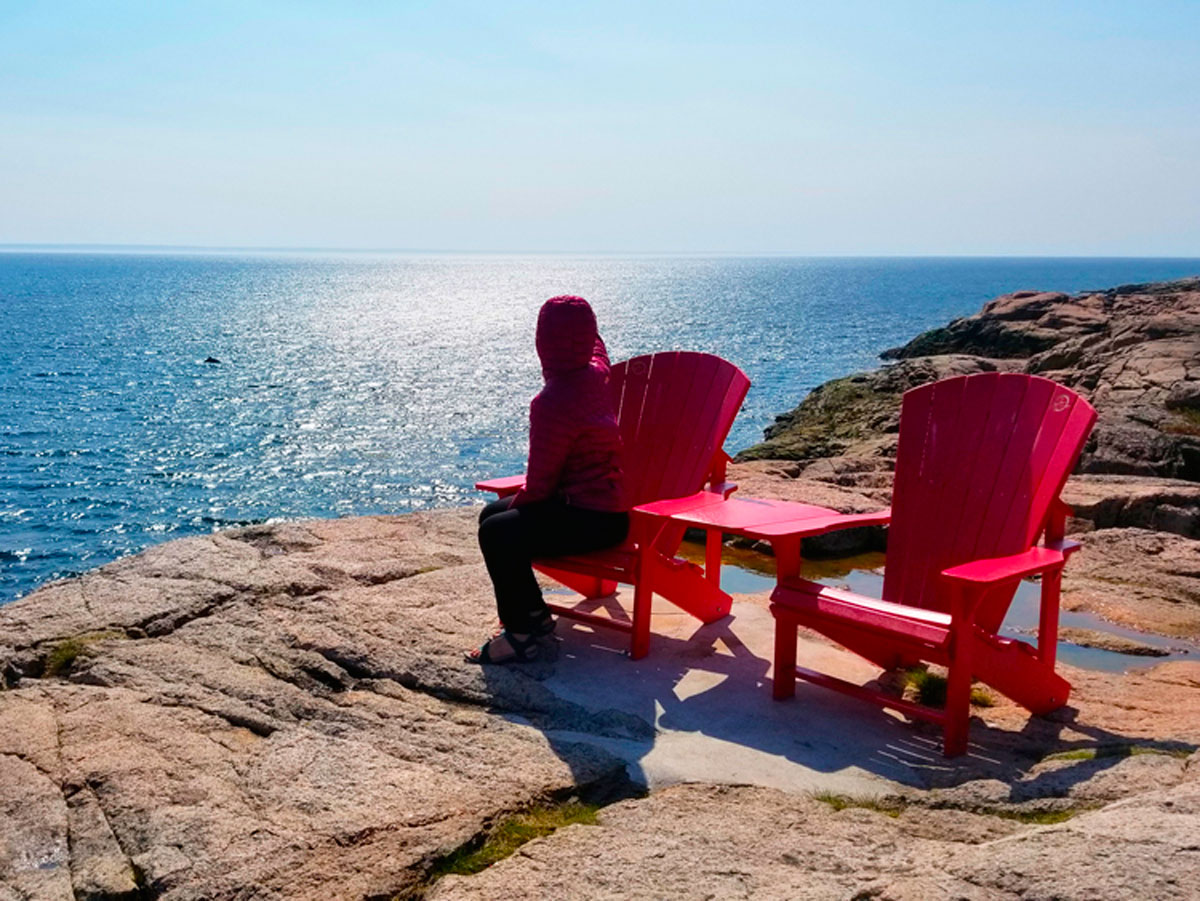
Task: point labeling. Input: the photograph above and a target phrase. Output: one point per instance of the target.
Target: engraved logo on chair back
(675, 410)
(981, 458)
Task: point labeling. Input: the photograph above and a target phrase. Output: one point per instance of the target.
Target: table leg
(787, 557)
(713, 543)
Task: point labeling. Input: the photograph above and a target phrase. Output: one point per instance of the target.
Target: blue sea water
(357, 383)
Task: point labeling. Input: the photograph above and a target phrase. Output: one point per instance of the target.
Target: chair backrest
(980, 461)
(675, 410)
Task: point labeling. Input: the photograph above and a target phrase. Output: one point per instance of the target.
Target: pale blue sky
(810, 128)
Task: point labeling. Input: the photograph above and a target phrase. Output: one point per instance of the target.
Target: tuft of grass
(889, 805)
(1105, 751)
(510, 834)
(1077, 754)
(930, 689)
(64, 654)
(893, 806)
(1186, 422)
(981, 697)
(1037, 817)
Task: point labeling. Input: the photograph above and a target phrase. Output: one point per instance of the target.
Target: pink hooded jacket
(574, 442)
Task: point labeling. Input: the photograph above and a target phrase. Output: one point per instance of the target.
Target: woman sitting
(573, 500)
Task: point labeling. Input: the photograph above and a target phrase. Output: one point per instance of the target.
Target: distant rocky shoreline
(1133, 351)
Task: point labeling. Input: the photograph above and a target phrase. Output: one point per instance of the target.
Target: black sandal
(542, 627)
(523, 651)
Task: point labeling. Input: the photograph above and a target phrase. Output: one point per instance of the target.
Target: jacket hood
(566, 334)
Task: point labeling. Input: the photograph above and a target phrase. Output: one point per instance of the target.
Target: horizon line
(245, 249)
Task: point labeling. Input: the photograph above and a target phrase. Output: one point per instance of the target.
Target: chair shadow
(711, 685)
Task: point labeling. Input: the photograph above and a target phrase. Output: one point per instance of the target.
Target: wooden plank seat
(674, 411)
(900, 623)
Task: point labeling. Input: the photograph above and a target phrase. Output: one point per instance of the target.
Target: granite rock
(283, 712)
(1138, 578)
(704, 842)
(1133, 351)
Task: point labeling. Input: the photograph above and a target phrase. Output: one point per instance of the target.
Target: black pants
(511, 538)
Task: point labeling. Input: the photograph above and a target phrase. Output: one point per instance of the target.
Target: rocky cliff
(1133, 351)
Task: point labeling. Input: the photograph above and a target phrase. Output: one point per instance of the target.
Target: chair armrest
(1065, 546)
(1016, 566)
(676, 505)
(722, 488)
(716, 482)
(503, 486)
(809, 526)
(856, 520)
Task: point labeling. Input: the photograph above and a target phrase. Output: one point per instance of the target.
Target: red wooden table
(783, 523)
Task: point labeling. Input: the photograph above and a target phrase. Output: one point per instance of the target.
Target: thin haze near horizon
(868, 128)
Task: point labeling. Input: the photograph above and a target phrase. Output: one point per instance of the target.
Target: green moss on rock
(980, 336)
(830, 420)
(855, 415)
(510, 834)
(62, 656)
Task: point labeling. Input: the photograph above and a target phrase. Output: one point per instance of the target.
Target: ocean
(355, 383)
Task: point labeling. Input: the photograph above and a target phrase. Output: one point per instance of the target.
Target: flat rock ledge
(271, 713)
(702, 841)
(282, 712)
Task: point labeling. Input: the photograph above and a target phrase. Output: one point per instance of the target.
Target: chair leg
(1048, 617)
(639, 644)
(784, 682)
(958, 696)
(1013, 668)
(590, 587)
(684, 584)
(954, 740)
(713, 546)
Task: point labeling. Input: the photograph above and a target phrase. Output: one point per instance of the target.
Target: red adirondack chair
(674, 410)
(980, 465)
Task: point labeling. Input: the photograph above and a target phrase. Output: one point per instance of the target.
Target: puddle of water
(748, 572)
(1022, 622)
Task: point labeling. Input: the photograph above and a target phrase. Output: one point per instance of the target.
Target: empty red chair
(980, 465)
(675, 410)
